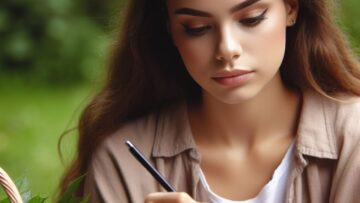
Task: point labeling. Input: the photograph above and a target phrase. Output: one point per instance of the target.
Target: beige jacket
(326, 161)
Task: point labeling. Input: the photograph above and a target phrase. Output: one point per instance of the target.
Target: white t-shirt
(272, 192)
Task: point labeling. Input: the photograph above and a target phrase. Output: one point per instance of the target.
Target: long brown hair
(146, 71)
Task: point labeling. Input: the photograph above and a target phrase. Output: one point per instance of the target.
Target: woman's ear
(292, 10)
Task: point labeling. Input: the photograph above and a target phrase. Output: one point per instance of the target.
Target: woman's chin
(237, 96)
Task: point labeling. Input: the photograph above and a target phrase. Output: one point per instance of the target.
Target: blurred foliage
(32, 118)
(50, 51)
(69, 195)
(54, 41)
(64, 41)
(349, 20)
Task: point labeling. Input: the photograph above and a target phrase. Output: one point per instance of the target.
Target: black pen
(138, 155)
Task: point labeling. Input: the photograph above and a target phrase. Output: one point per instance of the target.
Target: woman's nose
(229, 47)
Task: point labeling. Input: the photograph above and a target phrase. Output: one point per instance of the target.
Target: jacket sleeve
(104, 182)
(347, 179)
(90, 188)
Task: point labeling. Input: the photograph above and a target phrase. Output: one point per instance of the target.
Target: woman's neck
(273, 113)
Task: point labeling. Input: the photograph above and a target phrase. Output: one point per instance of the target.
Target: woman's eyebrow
(192, 12)
(243, 5)
(195, 12)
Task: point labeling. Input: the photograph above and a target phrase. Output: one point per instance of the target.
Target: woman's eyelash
(196, 31)
(253, 21)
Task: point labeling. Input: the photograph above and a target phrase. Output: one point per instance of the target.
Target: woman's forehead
(216, 8)
(214, 5)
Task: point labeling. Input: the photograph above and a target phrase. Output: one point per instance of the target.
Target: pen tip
(129, 144)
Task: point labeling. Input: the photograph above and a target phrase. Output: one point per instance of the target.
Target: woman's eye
(196, 31)
(253, 21)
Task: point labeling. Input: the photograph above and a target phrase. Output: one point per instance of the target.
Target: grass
(32, 118)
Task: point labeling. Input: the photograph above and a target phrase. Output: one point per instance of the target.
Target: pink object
(9, 187)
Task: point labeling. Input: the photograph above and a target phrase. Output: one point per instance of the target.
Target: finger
(169, 197)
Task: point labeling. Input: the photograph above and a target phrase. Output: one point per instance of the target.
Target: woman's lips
(233, 78)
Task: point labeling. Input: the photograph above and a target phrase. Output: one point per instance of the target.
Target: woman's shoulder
(344, 122)
(342, 118)
(344, 114)
(114, 168)
(143, 130)
(329, 128)
(329, 133)
(340, 114)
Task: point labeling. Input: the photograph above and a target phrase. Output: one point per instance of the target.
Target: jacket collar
(173, 134)
(315, 136)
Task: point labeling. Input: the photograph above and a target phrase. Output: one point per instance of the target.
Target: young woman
(235, 100)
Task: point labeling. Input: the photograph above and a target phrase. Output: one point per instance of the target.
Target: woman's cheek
(270, 45)
(196, 54)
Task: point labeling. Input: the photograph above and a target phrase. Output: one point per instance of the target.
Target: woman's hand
(169, 197)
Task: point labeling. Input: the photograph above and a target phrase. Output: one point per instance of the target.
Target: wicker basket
(9, 187)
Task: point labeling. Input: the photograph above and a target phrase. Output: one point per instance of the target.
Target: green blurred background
(52, 55)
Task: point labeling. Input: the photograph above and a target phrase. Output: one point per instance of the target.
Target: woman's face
(232, 48)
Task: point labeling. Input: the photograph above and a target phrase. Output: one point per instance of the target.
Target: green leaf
(68, 196)
(23, 186)
(22, 183)
(6, 200)
(37, 199)
(26, 196)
